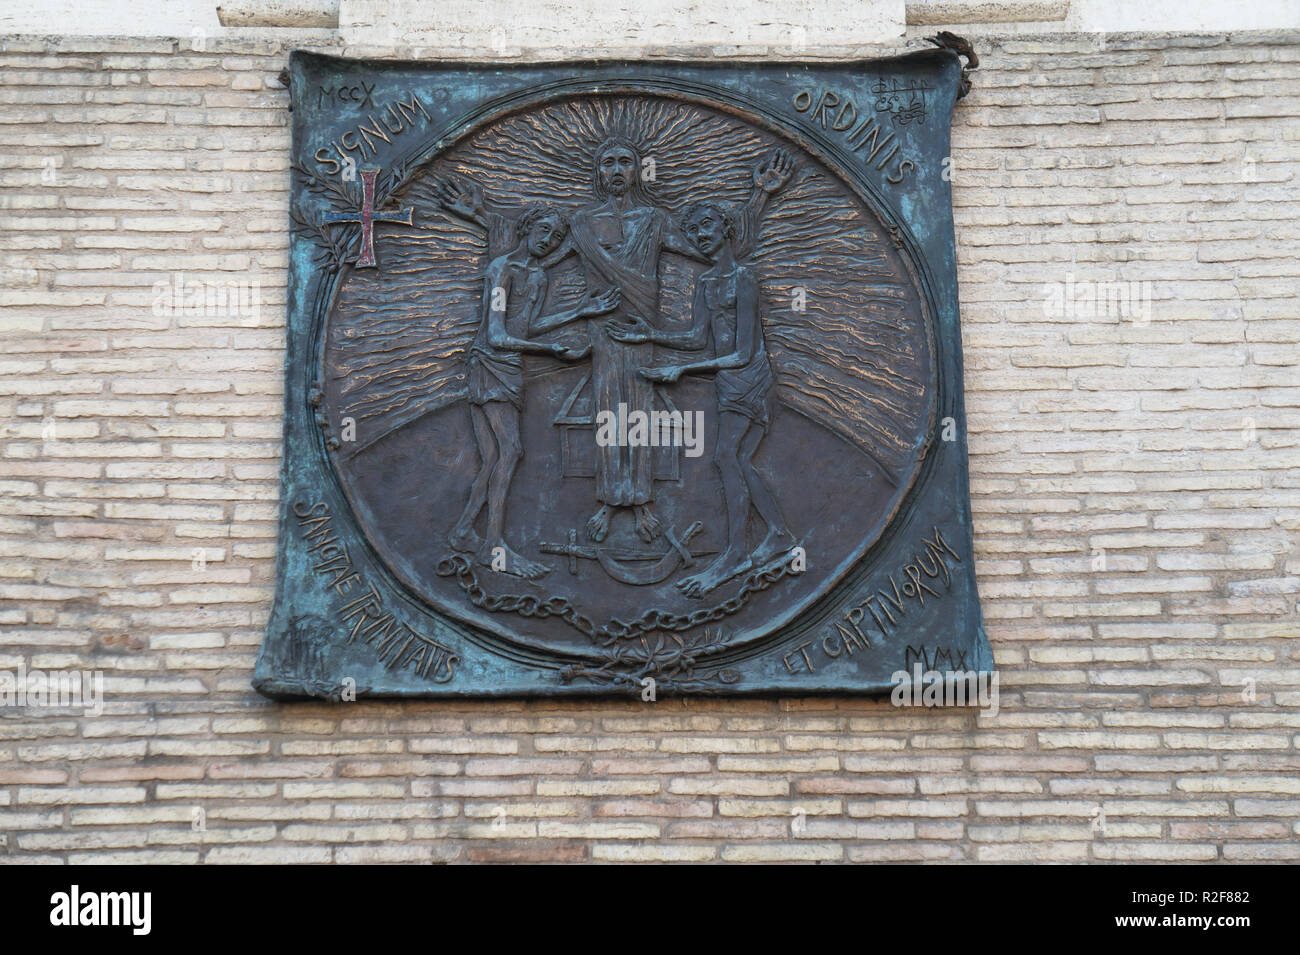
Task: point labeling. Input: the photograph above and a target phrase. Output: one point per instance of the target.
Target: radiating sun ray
(841, 317)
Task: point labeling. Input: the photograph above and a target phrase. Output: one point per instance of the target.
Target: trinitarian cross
(368, 217)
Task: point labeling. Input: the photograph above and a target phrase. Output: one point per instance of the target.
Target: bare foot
(598, 524)
(717, 573)
(465, 540)
(774, 544)
(502, 559)
(647, 525)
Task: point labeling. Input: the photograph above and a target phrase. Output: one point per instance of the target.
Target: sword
(613, 561)
(571, 550)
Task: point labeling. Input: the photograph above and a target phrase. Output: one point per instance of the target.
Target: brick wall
(1136, 490)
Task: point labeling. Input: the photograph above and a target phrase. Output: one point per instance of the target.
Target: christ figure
(619, 238)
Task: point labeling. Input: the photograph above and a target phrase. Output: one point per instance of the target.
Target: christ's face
(545, 235)
(617, 169)
(707, 230)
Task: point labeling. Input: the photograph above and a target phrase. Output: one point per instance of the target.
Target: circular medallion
(643, 373)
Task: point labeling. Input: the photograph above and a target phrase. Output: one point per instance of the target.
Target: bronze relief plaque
(622, 378)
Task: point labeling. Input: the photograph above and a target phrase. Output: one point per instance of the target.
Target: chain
(526, 605)
(652, 621)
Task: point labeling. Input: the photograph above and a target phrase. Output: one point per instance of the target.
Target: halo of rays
(842, 320)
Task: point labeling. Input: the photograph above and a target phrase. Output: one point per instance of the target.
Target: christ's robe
(622, 251)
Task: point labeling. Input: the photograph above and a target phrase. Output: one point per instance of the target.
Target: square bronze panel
(611, 376)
